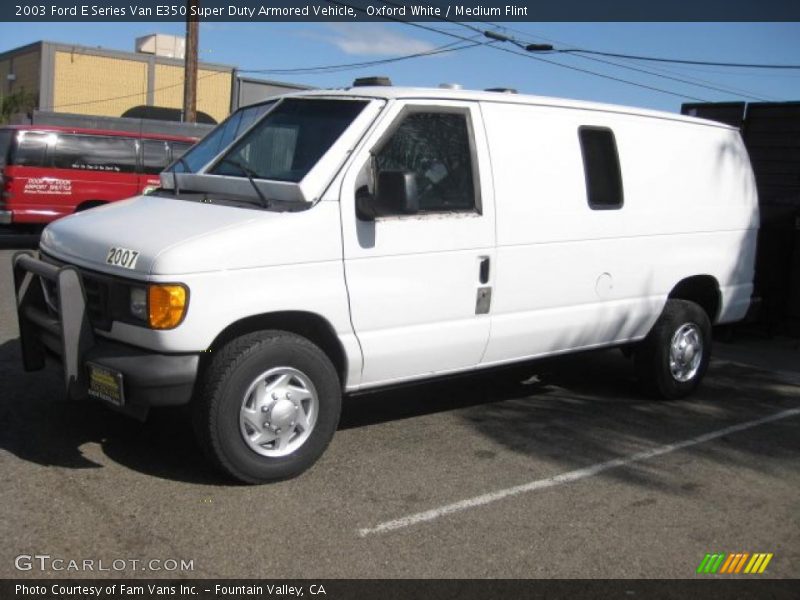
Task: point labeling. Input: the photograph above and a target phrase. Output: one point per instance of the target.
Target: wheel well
(702, 290)
(309, 325)
(89, 204)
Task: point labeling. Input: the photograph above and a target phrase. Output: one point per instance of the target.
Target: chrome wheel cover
(278, 412)
(686, 352)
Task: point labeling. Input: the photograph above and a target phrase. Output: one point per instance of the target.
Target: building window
(601, 167)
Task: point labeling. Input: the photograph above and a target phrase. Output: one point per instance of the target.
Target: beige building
(94, 81)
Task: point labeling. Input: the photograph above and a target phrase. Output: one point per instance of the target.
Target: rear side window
(179, 149)
(5, 146)
(95, 153)
(155, 156)
(31, 149)
(601, 167)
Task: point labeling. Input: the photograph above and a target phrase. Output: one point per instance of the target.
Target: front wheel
(673, 358)
(267, 406)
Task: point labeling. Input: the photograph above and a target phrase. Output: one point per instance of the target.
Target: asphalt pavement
(554, 469)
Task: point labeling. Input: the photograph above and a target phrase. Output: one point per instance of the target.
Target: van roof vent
(502, 90)
(451, 86)
(368, 81)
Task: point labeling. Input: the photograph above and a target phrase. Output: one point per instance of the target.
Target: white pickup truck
(339, 240)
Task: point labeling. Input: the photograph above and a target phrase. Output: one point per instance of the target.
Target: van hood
(174, 237)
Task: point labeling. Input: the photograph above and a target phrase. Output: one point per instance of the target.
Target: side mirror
(396, 194)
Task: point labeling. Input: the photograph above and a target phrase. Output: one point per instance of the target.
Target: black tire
(653, 353)
(89, 205)
(224, 386)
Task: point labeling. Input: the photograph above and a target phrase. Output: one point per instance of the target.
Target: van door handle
(483, 275)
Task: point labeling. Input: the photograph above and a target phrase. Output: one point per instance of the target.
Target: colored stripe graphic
(766, 562)
(758, 563)
(727, 567)
(703, 563)
(733, 563)
(711, 563)
(741, 562)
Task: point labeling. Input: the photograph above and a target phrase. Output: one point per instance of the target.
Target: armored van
(332, 241)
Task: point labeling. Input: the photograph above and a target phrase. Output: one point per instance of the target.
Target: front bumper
(60, 327)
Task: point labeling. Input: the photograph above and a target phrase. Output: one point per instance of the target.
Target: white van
(340, 240)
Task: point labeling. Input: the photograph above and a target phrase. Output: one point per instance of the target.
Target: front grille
(97, 306)
(103, 294)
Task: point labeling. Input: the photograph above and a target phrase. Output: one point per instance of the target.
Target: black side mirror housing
(396, 194)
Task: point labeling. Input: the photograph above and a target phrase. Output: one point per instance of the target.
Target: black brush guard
(67, 333)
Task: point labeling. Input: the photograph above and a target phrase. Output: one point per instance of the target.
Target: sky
(270, 46)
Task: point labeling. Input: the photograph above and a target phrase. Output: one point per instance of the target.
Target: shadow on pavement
(36, 427)
(576, 410)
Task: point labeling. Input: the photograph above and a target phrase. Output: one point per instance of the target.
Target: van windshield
(5, 146)
(289, 141)
(215, 142)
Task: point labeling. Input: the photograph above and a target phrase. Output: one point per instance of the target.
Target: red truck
(47, 172)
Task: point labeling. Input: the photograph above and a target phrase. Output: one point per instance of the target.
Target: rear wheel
(673, 358)
(89, 205)
(267, 406)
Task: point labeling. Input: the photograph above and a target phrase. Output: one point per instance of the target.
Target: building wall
(94, 81)
(213, 90)
(26, 66)
(108, 83)
(249, 91)
(97, 85)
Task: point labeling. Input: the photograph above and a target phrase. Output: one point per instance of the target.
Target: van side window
(601, 167)
(5, 145)
(436, 148)
(179, 149)
(95, 153)
(31, 148)
(155, 156)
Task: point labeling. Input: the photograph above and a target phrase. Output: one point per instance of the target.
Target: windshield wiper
(251, 175)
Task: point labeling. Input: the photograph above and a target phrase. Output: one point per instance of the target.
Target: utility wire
(525, 55)
(677, 61)
(110, 99)
(451, 47)
(685, 79)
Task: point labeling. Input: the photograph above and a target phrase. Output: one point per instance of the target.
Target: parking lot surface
(554, 469)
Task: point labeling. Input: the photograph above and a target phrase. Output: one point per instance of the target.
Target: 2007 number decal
(122, 257)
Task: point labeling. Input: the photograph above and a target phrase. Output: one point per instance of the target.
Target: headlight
(161, 306)
(139, 303)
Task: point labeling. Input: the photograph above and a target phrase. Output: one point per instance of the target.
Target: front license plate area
(106, 384)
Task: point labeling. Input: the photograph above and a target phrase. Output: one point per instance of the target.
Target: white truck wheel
(673, 358)
(267, 406)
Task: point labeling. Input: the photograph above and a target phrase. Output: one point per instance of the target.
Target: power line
(124, 97)
(676, 60)
(525, 55)
(451, 47)
(684, 79)
(690, 81)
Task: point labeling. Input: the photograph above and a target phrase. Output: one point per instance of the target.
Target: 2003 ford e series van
(341, 240)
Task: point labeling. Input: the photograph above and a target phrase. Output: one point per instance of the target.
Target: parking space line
(568, 477)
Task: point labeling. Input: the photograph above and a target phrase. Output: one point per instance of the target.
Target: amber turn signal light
(166, 305)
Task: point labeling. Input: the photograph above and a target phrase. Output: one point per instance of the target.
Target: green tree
(21, 101)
